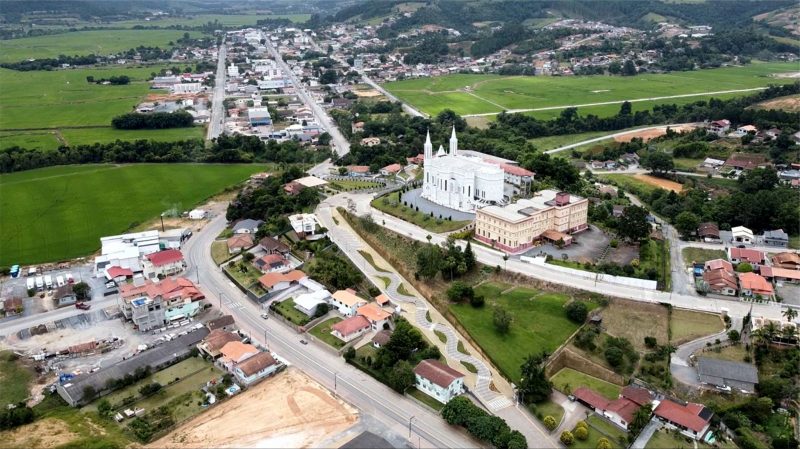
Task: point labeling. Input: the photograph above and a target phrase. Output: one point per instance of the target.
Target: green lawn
(99, 42)
(425, 399)
(600, 428)
(392, 206)
(323, 332)
(386, 281)
(432, 95)
(40, 140)
(702, 255)
(664, 439)
(547, 408)
(371, 260)
(232, 20)
(219, 251)
(287, 310)
(735, 353)
(469, 367)
(540, 324)
(686, 325)
(14, 379)
(105, 135)
(629, 183)
(441, 336)
(550, 142)
(246, 278)
(347, 185)
(92, 201)
(568, 379)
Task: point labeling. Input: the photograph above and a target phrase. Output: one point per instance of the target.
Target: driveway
(588, 246)
(647, 433)
(680, 363)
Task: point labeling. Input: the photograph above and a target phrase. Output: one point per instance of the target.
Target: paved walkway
(573, 412)
(646, 433)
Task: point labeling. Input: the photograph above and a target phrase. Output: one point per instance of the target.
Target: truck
(70, 279)
(31, 283)
(39, 283)
(32, 271)
(14, 271)
(48, 281)
(60, 281)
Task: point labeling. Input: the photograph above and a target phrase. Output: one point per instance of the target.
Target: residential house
(754, 257)
(239, 243)
(692, 420)
(741, 234)
(777, 274)
(255, 368)
(214, 341)
(382, 300)
(787, 259)
(235, 352)
(776, 237)
(370, 141)
(347, 302)
(358, 170)
(712, 164)
(745, 161)
(153, 304)
(272, 245)
(271, 263)
(438, 380)
(225, 322)
(118, 274)
(275, 282)
(350, 328)
(390, 170)
(305, 226)
(416, 160)
(381, 338)
(311, 182)
(378, 318)
(753, 285)
(307, 303)
(163, 263)
(247, 226)
(744, 130)
(64, 296)
(12, 306)
(719, 127)
(720, 278)
(727, 375)
(709, 232)
(293, 188)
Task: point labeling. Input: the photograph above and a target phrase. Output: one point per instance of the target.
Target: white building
(125, 250)
(233, 71)
(460, 182)
(305, 225)
(438, 380)
(347, 302)
(186, 88)
(307, 303)
(163, 263)
(742, 234)
(255, 368)
(197, 214)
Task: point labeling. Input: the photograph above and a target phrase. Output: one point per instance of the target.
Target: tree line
(156, 120)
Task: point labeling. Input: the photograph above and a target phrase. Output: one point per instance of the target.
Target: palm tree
(790, 314)
(759, 338)
(788, 333)
(771, 330)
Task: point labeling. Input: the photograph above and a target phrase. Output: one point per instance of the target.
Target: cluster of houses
(721, 277)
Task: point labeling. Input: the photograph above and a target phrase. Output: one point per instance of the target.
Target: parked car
(83, 306)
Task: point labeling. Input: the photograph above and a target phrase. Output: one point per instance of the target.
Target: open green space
(244, 272)
(108, 134)
(286, 309)
(91, 201)
(547, 408)
(425, 399)
(230, 20)
(600, 428)
(665, 439)
(686, 325)
(702, 255)
(392, 206)
(568, 379)
(323, 332)
(733, 353)
(469, 367)
(368, 257)
(219, 251)
(40, 140)
(99, 42)
(629, 183)
(472, 94)
(551, 142)
(15, 379)
(539, 324)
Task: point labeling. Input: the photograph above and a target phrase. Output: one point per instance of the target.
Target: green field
(493, 93)
(391, 205)
(40, 140)
(686, 325)
(702, 255)
(59, 213)
(230, 20)
(540, 324)
(323, 332)
(102, 42)
(14, 379)
(567, 380)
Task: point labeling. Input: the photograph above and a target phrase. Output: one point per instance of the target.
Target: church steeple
(428, 147)
(453, 142)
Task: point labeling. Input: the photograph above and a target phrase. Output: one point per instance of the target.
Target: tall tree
(686, 223)
(534, 386)
(501, 319)
(633, 224)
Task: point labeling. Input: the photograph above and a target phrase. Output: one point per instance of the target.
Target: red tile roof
(256, 363)
(623, 407)
(687, 416)
(719, 264)
(270, 280)
(516, 170)
(748, 254)
(168, 289)
(358, 168)
(393, 168)
(437, 372)
(769, 272)
(755, 283)
(591, 397)
(240, 241)
(351, 325)
(638, 395)
(115, 272)
(720, 279)
(165, 257)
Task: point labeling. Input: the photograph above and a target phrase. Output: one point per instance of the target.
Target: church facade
(460, 182)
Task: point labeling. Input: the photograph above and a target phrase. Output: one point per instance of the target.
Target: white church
(460, 182)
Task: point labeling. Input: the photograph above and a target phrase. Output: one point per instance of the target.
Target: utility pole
(220, 301)
(409, 425)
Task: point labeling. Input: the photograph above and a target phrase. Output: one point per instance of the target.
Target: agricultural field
(38, 205)
(16, 379)
(539, 324)
(790, 103)
(476, 94)
(40, 140)
(103, 42)
(229, 20)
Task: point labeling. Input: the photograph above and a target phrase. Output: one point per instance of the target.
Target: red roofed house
(719, 277)
(118, 274)
(163, 263)
(392, 169)
(358, 170)
(293, 188)
(255, 368)
(350, 328)
(518, 177)
(752, 256)
(417, 160)
(692, 420)
(788, 260)
(272, 262)
(753, 285)
(620, 411)
(275, 282)
(438, 380)
(239, 242)
(151, 304)
(378, 318)
(719, 127)
(777, 274)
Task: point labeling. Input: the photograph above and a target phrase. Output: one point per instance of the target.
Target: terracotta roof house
(271, 262)
(787, 260)
(692, 420)
(745, 161)
(255, 368)
(214, 341)
(620, 411)
(753, 284)
(293, 188)
(777, 274)
(358, 170)
(163, 263)
(350, 328)
(118, 274)
(225, 322)
(719, 277)
(378, 318)
(235, 352)
(709, 232)
(382, 299)
(274, 282)
(591, 398)
(392, 169)
(272, 245)
(438, 380)
(749, 255)
(239, 242)
(381, 338)
(417, 160)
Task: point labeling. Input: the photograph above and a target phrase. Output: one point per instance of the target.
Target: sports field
(58, 213)
(37, 109)
(478, 94)
(103, 42)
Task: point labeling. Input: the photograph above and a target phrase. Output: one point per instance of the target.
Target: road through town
(217, 124)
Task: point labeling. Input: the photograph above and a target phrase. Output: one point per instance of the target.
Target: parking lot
(586, 247)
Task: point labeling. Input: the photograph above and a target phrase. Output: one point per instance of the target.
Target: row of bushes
(491, 429)
(158, 120)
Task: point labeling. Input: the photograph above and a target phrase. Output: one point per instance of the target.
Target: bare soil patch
(289, 410)
(43, 434)
(648, 134)
(367, 93)
(659, 182)
(789, 104)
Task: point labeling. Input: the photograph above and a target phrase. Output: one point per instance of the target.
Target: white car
(60, 281)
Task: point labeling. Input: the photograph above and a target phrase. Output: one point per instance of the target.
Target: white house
(163, 263)
(438, 380)
(246, 226)
(742, 234)
(350, 328)
(307, 303)
(378, 318)
(347, 302)
(197, 214)
(305, 226)
(255, 368)
(744, 130)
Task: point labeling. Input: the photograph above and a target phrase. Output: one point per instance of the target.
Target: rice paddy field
(479, 94)
(59, 213)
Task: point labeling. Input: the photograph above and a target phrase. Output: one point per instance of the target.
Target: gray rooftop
(366, 440)
(776, 234)
(717, 372)
(247, 223)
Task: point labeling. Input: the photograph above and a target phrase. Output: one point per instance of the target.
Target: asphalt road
(402, 415)
(611, 136)
(217, 123)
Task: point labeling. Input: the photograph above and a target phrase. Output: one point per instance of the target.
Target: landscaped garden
(567, 380)
(323, 332)
(392, 205)
(286, 309)
(425, 399)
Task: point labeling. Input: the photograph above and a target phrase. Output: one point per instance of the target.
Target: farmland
(53, 103)
(474, 94)
(104, 42)
(91, 201)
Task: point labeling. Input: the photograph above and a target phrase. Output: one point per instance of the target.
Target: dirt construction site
(648, 134)
(288, 410)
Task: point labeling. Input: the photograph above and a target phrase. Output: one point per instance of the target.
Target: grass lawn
(396, 208)
(247, 278)
(89, 136)
(664, 439)
(348, 185)
(551, 142)
(635, 321)
(654, 254)
(432, 95)
(287, 310)
(232, 20)
(629, 183)
(39, 140)
(539, 324)
(461, 347)
(469, 367)
(441, 336)
(702, 255)
(403, 290)
(425, 399)
(15, 379)
(323, 332)
(567, 380)
(735, 353)
(371, 260)
(600, 428)
(687, 325)
(97, 200)
(99, 42)
(547, 408)
(219, 251)
(685, 164)
(386, 281)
